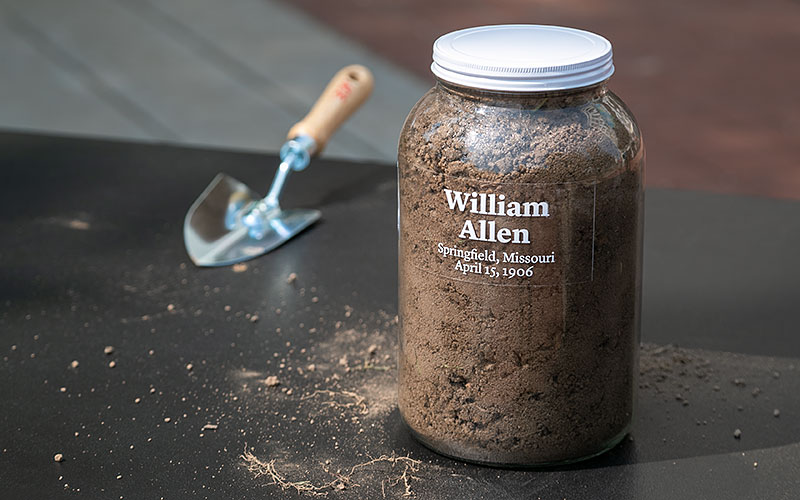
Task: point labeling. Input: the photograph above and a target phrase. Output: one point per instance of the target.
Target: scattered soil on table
(675, 374)
(341, 399)
(668, 368)
(401, 471)
(335, 407)
(348, 389)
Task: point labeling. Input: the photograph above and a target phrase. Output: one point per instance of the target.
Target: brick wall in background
(715, 84)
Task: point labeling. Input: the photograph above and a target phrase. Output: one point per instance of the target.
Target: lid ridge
(522, 58)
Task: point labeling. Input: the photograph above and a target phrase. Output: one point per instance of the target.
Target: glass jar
(520, 243)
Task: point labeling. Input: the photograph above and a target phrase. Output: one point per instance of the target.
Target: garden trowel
(229, 223)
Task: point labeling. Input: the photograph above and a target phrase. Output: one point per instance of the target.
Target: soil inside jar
(524, 371)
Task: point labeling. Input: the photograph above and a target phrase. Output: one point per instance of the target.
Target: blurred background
(715, 84)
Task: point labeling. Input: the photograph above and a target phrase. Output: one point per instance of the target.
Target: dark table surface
(92, 256)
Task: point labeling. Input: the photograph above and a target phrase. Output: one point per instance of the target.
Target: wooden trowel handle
(346, 91)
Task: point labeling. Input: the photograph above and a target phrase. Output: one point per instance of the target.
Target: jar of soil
(520, 221)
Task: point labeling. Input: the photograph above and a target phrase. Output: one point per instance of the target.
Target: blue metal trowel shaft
(295, 155)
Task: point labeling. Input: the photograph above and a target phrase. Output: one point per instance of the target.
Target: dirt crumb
(292, 278)
(58, 457)
(108, 350)
(239, 268)
(272, 381)
(80, 225)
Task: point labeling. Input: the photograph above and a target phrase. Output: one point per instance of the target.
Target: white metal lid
(522, 58)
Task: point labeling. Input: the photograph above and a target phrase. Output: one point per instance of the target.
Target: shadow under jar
(520, 241)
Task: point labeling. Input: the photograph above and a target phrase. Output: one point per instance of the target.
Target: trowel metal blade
(210, 243)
